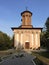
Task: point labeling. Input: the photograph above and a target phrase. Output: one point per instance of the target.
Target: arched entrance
(27, 45)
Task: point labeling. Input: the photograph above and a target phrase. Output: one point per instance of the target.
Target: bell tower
(26, 19)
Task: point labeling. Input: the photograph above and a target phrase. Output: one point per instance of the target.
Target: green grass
(41, 58)
(44, 54)
(38, 62)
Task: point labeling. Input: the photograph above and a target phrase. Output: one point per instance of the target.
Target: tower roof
(25, 12)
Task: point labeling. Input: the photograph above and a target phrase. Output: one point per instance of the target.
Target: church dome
(26, 12)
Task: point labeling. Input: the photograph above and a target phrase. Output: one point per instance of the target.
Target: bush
(0, 59)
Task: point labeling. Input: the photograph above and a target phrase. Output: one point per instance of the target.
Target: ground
(27, 59)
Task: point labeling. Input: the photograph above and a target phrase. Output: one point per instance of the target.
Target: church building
(26, 36)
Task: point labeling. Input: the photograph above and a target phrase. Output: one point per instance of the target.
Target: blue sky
(10, 11)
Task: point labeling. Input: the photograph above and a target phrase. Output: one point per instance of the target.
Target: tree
(5, 41)
(12, 42)
(43, 39)
(45, 36)
(47, 24)
(47, 32)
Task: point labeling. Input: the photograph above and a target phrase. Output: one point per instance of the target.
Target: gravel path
(27, 59)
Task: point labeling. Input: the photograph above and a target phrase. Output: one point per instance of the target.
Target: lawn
(38, 62)
(42, 56)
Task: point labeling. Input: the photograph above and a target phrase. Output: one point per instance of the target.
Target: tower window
(26, 15)
(23, 15)
(29, 16)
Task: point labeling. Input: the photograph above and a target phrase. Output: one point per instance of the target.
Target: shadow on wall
(19, 46)
(36, 48)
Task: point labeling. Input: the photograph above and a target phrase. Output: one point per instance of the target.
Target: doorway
(27, 45)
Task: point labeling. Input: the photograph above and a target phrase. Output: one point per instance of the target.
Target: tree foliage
(47, 24)
(5, 41)
(45, 35)
(43, 39)
(47, 32)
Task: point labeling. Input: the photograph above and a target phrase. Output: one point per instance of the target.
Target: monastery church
(26, 36)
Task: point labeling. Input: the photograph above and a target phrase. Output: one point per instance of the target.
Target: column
(16, 40)
(36, 39)
(21, 39)
(32, 40)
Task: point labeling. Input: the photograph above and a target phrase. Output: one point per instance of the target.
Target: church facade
(26, 36)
